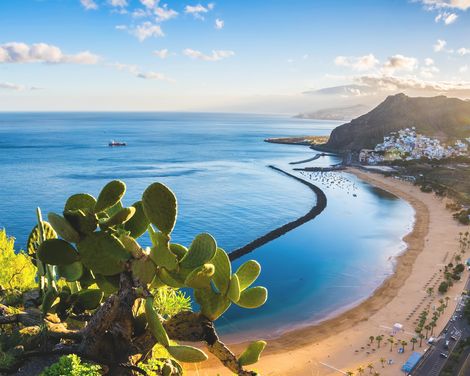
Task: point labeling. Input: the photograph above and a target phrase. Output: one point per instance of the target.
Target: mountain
(338, 113)
(440, 117)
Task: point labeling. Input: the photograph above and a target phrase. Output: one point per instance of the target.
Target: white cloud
(429, 72)
(163, 13)
(198, 10)
(162, 54)
(147, 30)
(215, 56)
(450, 4)
(372, 85)
(399, 62)
(153, 76)
(118, 3)
(15, 52)
(219, 24)
(120, 27)
(440, 45)
(135, 71)
(10, 86)
(463, 68)
(361, 63)
(89, 4)
(428, 61)
(463, 51)
(149, 3)
(446, 17)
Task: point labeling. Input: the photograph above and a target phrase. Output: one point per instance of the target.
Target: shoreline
(330, 336)
(384, 293)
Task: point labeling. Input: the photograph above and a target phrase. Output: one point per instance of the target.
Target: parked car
(446, 344)
(444, 355)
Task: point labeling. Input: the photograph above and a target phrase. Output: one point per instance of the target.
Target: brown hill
(444, 118)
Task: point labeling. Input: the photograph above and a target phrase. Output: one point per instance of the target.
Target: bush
(17, 272)
(71, 365)
(443, 287)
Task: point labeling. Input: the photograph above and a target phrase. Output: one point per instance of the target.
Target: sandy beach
(342, 343)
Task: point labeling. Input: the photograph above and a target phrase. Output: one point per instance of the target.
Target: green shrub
(17, 272)
(71, 365)
(443, 287)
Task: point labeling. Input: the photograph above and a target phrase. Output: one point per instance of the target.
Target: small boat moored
(117, 143)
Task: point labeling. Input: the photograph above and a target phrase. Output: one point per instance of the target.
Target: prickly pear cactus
(92, 247)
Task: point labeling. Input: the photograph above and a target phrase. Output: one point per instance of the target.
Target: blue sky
(250, 56)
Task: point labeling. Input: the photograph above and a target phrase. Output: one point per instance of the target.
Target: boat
(117, 143)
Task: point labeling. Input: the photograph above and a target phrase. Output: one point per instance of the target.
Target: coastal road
(457, 328)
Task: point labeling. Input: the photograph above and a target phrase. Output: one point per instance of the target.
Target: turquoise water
(216, 164)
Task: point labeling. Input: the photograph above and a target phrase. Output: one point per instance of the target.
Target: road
(433, 360)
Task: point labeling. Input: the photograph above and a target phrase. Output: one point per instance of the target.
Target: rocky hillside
(440, 117)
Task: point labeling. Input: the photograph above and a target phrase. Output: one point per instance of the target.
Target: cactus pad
(34, 237)
(83, 221)
(187, 354)
(144, 269)
(247, 273)
(223, 271)
(72, 272)
(63, 228)
(80, 201)
(160, 252)
(103, 253)
(120, 217)
(138, 224)
(89, 299)
(253, 297)
(234, 289)
(110, 195)
(57, 252)
(154, 323)
(252, 353)
(160, 207)
(202, 249)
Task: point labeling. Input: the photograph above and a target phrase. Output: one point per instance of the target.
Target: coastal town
(407, 144)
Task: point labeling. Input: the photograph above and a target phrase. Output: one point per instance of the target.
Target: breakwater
(319, 206)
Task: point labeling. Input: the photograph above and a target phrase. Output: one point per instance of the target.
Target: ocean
(217, 166)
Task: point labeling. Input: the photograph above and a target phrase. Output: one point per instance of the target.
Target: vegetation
(17, 272)
(105, 298)
(71, 365)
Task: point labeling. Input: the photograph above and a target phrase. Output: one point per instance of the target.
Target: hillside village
(407, 144)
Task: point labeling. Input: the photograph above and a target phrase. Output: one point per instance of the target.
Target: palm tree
(371, 367)
(371, 339)
(360, 370)
(430, 290)
(428, 328)
(413, 341)
(432, 324)
(379, 339)
(349, 373)
(447, 301)
(376, 373)
(382, 361)
(404, 344)
(421, 339)
(391, 340)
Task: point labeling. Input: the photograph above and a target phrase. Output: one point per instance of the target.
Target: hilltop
(446, 119)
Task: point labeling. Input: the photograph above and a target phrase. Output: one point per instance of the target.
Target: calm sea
(216, 164)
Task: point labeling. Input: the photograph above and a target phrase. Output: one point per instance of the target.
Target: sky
(262, 56)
